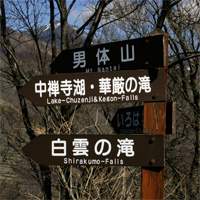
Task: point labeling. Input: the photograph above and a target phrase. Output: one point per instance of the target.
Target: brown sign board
(101, 150)
(107, 87)
(130, 54)
(128, 120)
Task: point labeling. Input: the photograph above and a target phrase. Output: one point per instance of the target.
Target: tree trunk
(53, 35)
(64, 42)
(46, 182)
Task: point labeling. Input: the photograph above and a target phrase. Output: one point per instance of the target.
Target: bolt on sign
(139, 53)
(102, 150)
(107, 87)
(128, 120)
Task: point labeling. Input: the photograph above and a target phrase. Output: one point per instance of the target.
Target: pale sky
(79, 13)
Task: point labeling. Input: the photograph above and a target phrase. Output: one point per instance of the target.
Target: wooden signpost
(107, 87)
(141, 53)
(152, 179)
(99, 150)
(133, 70)
(152, 185)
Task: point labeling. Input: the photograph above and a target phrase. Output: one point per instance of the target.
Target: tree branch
(125, 15)
(97, 18)
(183, 59)
(166, 8)
(70, 7)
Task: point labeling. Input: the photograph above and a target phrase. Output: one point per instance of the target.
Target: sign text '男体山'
(141, 53)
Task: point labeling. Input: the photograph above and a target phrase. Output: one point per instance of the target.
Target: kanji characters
(102, 147)
(58, 147)
(66, 87)
(144, 84)
(79, 59)
(80, 147)
(53, 88)
(40, 88)
(128, 56)
(102, 56)
(118, 85)
(79, 87)
(104, 85)
(125, 146)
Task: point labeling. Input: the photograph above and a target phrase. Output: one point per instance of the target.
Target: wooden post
(152, 179)
(152, 186)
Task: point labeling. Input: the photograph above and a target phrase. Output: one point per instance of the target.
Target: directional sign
(107, 87)
(124, 55)
(128, 120)
(102, 150)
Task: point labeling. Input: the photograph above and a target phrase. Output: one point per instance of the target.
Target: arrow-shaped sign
(107, 87)
(131, 54)
(102, 150)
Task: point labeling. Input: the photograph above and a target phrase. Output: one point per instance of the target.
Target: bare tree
(28, 15)
(17, 76)
(124, 19)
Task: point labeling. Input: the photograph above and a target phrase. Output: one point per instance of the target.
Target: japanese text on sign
(114, 56)
(76, 87)
(102, 55)
(102, 147)
(128, 120)
(107, 87)
(105, 150)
